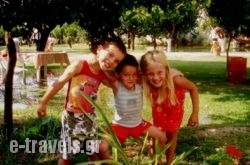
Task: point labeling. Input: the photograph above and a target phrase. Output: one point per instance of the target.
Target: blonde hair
(167, 90)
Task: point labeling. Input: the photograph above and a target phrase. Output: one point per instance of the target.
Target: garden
(222, 137)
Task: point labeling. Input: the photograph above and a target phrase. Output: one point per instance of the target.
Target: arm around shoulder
(111, 81)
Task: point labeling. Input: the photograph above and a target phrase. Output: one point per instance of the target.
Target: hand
(193, 124)
(193, 121)
(41, 111)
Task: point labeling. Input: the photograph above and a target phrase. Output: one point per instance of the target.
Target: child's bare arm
(183, 82)
(69, 72)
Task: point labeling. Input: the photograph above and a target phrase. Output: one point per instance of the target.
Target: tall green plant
(117, 146)
(109, 137)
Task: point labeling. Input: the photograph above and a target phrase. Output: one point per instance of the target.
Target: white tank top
(128, 106)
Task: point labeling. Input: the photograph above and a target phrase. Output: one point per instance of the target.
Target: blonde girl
(165, 89)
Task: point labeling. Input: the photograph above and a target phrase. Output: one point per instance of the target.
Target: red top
(85, 82)
(166, 116)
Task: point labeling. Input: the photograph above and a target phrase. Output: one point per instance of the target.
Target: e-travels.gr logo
(52, 146)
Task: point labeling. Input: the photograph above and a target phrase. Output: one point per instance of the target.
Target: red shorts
(123, 133)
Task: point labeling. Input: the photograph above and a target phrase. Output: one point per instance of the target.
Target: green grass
(224, 114)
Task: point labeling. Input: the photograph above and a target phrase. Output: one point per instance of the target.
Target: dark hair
(117, 41)
(127, 60)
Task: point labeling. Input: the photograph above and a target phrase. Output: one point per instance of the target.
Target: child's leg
(103, 153)
(104, 147)
(63, 162)
(104, 150)
(156, 133)
(151, 145)
(93, 157)
(170, 153)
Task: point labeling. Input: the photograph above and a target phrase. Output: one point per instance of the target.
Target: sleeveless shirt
(128, 104)
(85, 82)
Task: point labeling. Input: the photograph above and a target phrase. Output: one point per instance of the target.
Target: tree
(164, 17)
(132, 23)
(97, 17)
(43, 15)
(154, 23)
(57, 13)
(7, 11)
(181, 16)
(232, 16)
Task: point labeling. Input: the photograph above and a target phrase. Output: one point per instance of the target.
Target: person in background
(128, 96)
(49, 45)
(165, 88)
(35, 37)
(216, 35)
(83, 77)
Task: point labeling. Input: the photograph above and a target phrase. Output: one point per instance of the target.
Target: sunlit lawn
(222, 105)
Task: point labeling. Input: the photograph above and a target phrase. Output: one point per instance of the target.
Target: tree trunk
(133, 41)
(8, 95)
(154, 42)
(43, 40)
(129, 40)
(169, 45)
(227, 62)
(40, 47)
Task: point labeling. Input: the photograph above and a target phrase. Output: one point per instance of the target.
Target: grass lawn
(224, 115)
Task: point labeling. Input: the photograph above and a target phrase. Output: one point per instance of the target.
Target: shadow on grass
(205, 138)
(208, 139)
(30, 131)
(231, 109)
(225, 101)
(33, 131)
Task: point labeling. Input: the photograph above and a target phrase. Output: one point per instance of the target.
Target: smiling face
(109, 57)
(128, 76)
(156, 74)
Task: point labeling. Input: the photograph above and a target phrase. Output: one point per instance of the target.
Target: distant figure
(215, 34)
(49, 45)
(35, 37)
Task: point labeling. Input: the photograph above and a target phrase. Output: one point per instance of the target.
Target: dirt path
(171, 55)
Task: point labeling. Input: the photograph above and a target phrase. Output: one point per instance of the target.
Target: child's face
(128, 76)
(109, 57)
(156, 74)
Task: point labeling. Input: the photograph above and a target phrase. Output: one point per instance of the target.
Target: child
(128, 103)
(83, 76)
(165, 88)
